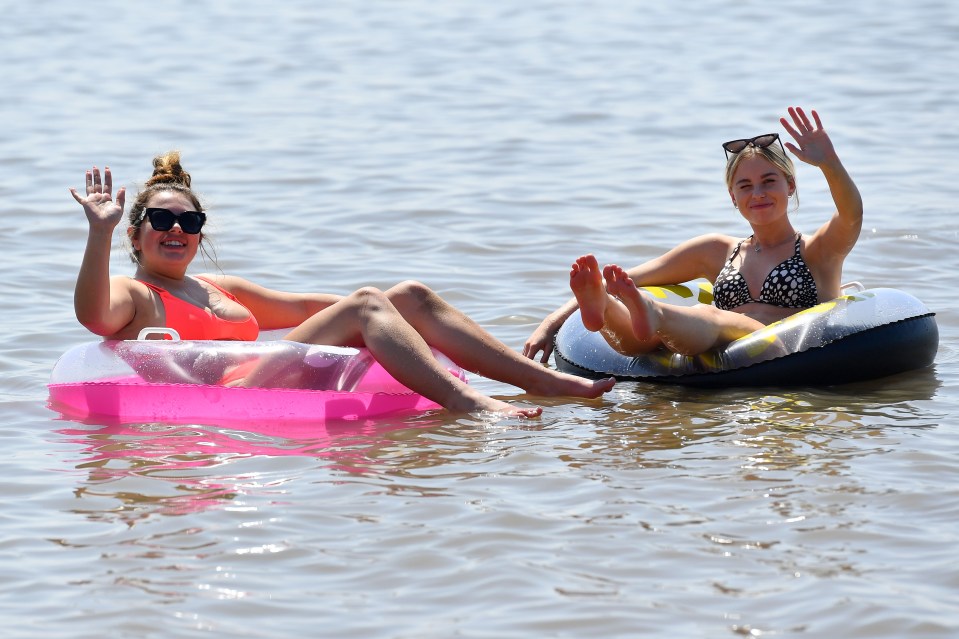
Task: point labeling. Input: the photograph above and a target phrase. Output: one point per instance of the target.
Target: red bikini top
(193, 322)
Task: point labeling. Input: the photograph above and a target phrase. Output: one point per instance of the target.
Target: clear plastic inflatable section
(273, 364)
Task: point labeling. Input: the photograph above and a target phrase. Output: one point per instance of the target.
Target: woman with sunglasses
(757, 280)
(398, 326)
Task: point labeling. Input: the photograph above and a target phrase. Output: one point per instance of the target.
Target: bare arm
(275, 309)
(833, 241)
(701, 256)
(103, 305)
(542, 338)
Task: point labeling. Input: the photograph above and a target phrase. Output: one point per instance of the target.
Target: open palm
(99, 204)
(813, 145)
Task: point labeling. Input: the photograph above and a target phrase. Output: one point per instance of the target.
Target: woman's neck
(166, 280)
(772, 239)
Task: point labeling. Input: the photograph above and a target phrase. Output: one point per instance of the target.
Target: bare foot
(566, 385)
(586, 281)
(508, 410)
(523, 412)
(474, 402)
(641, 311)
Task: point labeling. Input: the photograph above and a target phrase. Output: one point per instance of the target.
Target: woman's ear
(131, 234)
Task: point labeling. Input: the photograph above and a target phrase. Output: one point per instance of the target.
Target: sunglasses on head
(760, 142)
(163, 220)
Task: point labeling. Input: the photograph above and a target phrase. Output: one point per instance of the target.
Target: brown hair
(168, 175)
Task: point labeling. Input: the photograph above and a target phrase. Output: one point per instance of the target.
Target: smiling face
(760, 190)
(166, 253)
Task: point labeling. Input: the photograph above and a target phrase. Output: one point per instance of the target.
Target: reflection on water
(767, 439)
(790, 430)
(759, 498)
(199, 467)
(798, 431)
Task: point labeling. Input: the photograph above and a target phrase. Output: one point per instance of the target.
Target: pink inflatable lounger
(149, 380)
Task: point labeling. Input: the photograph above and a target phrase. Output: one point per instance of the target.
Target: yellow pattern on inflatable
(872, 333)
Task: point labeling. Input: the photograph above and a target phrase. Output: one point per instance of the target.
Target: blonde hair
(774, 154)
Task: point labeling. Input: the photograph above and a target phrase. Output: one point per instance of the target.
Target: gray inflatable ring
(868, 334)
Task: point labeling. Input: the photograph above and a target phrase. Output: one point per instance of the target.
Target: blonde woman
(758, 280)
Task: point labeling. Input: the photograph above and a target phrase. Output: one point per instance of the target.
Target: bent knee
(368, 297)
(410, 293)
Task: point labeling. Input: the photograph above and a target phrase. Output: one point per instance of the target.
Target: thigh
(336, 325)
(619, 334)
(730, 324)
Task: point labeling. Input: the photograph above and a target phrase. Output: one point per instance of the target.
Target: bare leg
(603, 313)
(689, 330)
(367, 318)
(586, 282)
(465, 342)
(643, 315)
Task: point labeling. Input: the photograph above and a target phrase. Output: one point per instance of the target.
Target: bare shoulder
(126, 285)
(701, 256)
(709, 250)
(132, 306)
(713, 242)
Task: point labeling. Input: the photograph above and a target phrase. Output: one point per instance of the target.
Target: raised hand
(99, 205)
(814, 146)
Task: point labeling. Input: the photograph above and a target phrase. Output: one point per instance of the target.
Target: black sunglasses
(760, 142)
(163, 220)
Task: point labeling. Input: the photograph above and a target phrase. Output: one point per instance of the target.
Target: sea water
(479, 148)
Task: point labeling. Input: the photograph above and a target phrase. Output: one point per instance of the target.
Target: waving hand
(99, 205)
(813, 145)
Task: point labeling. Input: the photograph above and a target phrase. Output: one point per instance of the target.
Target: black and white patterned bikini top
(789, 285)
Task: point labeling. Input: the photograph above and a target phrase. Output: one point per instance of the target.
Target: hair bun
(167, 170)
